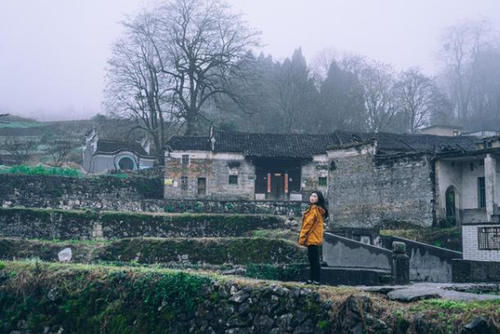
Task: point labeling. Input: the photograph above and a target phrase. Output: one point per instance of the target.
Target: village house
(369, 179)
(103, 155)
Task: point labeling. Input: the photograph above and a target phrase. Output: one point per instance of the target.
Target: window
(481, 192)
(233, 179)
(184, 183)
(322, 181)
(488, 238)
(202, 186)
(185, 160)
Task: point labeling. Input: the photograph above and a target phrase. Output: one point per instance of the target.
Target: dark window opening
(185, 160)
(481, 192)
(233, 179)
(322, 181)
(184, 183)
(488, 238)
(202, 186)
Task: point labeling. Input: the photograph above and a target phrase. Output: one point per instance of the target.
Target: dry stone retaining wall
(66, 224)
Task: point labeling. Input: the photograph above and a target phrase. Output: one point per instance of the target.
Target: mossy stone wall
(66, 224)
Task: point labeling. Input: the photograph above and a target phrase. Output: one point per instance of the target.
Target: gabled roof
(107, 146)
(307, 145)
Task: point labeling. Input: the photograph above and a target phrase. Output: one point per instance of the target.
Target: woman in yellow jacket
(311, 233)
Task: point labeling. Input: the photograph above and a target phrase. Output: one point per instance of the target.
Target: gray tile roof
(307, 145)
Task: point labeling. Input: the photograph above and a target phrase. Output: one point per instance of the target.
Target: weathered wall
(65, 224)
(54, 298)
(109, 193)
(167, 251)
(286, 208)
(476, 271)
(47, 190)
(427, 263)
(310, 174)
(341, 252)
(215, 168)
(365, 190)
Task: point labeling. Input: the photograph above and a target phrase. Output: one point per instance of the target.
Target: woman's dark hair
(321, 201)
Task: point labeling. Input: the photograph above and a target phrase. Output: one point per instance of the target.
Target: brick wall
(365, 191)
(470, 244)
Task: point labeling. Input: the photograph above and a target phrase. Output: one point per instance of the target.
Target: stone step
(351, 276)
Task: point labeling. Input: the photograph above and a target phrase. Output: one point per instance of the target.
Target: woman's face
(313, 199)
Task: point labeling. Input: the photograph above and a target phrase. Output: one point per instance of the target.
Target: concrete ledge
(342, 252)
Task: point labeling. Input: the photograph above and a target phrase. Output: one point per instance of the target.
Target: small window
(202, 186)
(481, 193)
(233, 179)
(488, 238)
(322, 181)
(184, 183)
(185, 160)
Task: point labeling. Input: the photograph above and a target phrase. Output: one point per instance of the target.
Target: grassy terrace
(102, 298)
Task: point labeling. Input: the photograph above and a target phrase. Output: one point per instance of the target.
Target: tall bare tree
(462, 44)
(378, 82)
(417, 96)
(137, 88)
(203, 47)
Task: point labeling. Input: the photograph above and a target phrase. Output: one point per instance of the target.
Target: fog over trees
(189, 64)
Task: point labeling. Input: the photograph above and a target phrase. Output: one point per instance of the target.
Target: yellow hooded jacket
(311, 232)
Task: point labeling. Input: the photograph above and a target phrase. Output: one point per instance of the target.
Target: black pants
(313, 255)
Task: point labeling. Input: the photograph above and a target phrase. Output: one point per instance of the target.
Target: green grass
(41, 170)
(453, 305)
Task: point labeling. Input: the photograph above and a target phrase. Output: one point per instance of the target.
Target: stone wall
(475, 271)
(286, 208)
(46, 190)
(57, 298)
(365, 190)
(65, 224)
(170, 252)
(215, 169)
(310, 174)
(133, 193)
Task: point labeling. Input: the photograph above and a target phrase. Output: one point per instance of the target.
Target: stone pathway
(418, 291)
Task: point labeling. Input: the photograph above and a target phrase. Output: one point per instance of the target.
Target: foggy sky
(53, 53)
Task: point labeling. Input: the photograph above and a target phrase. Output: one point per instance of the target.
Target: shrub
(41, 170)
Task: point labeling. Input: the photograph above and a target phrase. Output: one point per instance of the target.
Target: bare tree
(203, 47)
(59, 151)
(136, 86)
(377, 80)
(417, 96)
(462, 44)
